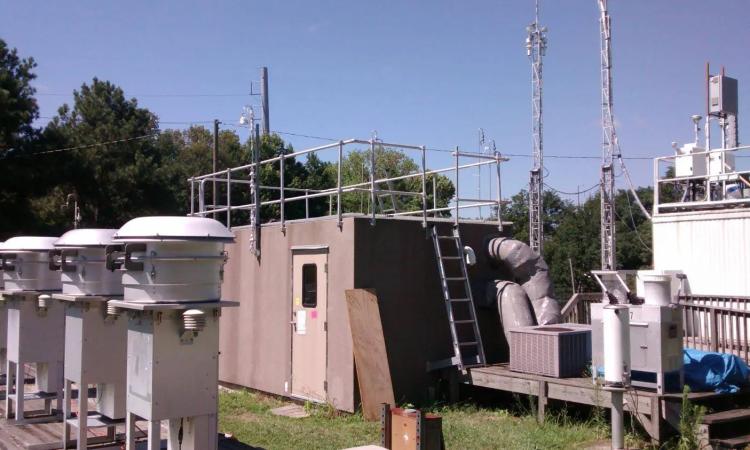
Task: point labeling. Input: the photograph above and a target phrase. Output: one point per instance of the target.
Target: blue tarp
(709, 371)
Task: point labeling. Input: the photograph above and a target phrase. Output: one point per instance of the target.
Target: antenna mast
(609, 143)
(536, 46)
(610, 147)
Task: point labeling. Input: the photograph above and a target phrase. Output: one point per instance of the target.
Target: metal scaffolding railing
(714, 179)
(248, 176)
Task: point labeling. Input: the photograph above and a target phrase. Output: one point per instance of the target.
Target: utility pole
(536, 46)
(482, 147)
(610, 147)
(264, 99)
(214, 158)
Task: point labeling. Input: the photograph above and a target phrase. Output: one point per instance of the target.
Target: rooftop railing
(247, 176)
(715, 179)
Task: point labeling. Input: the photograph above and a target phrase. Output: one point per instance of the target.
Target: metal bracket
(54, 260)
(64, 266)
(4, 265)
(385, 425)
(113, 253)
(129, 264)
(187, 337)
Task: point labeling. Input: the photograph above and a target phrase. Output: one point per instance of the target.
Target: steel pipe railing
(230, 177)
(706, 190)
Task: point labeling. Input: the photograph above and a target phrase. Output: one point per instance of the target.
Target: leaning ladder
(467, 341)
(394, 203)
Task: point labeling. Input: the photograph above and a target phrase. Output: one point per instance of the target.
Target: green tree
(116, 181)
(390, 163)
(555, 208)
(188, 153)
(18, 107)
(576, 242)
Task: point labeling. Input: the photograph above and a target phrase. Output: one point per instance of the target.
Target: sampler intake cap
(86, 237)
(173, 228)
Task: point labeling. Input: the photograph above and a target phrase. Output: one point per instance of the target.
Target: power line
(55, 94)
(289, 133)
(571, 193)
(227, 123)
(97, 144)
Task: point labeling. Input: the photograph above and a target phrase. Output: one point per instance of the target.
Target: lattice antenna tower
(536, 47)
(609, 143)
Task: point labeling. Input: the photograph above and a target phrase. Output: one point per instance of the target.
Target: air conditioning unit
(560, 351)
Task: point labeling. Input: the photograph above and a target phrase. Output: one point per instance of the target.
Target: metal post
(656, 187)
(281, 183)
(708, 110)
(424, 186)
(202, 198)
(455, 219)
(214, 156)
(338, 184)
(256, 193)
(372, 180)
(192, 196)
(264, 99)
(498, 159)
(618, 420)
(307, 204)
(229, 198)
(434, 195)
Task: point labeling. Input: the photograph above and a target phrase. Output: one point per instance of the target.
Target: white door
(309, 328)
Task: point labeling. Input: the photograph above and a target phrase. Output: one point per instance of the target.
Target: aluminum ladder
(468, 350)
(394, 202)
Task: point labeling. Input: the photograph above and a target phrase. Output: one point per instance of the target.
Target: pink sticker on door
(314, 314)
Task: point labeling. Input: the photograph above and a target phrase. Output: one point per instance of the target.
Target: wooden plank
(541, 401)
(731, 415)
(574, 390)
(503, 370)
(370, 354)
(504, 383)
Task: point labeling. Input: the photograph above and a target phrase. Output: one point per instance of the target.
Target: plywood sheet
(370, 356)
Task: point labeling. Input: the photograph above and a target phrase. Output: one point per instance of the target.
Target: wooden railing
(711, 323)
(717, 323)
(578, 308)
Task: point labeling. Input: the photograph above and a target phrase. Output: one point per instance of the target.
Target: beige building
(290, 335)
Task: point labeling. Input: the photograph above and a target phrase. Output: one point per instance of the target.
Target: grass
(247, 415)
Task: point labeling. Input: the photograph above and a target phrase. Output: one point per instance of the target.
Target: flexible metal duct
(531, 272)
(512, 305)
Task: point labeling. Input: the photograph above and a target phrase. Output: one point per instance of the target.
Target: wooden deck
(45, 432)
(652, 410)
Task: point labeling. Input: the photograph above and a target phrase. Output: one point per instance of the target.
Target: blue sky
(418, 72)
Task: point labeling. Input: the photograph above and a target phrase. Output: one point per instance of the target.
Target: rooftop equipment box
(723, 95)
(558, 351)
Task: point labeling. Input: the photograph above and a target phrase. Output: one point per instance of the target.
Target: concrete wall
(395, 257)
(711, 247)
(255, 341)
